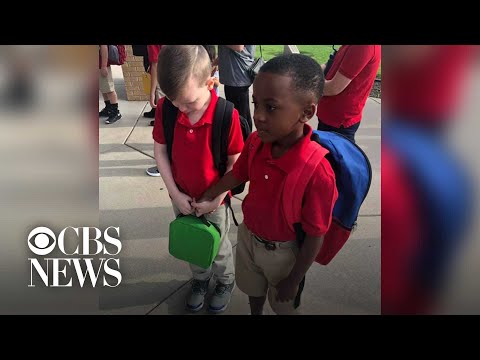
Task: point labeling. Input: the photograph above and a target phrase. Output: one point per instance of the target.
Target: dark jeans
(349, 132)
(239, 97)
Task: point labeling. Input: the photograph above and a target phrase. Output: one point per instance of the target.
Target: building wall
(133, 72)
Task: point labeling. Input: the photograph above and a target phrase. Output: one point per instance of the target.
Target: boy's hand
(286, 290)
(104, 71)
(205, 207)
(183, 202)
(153, 103)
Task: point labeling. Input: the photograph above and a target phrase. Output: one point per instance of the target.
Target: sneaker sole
(218, 311)
(155, 175)
(112, 122)
(194, 310)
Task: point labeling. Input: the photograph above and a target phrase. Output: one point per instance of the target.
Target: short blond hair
(177, 63)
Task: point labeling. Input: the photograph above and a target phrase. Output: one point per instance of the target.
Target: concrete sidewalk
(156, 283)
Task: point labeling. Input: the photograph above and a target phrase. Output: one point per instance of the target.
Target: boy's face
(193, 96)
(278, 109)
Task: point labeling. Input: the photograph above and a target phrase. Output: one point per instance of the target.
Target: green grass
(319, 52)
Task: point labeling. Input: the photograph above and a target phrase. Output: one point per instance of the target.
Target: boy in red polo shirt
(184, 74)
(155, 92)
(347, 86)
(285, 94)
(107, 88)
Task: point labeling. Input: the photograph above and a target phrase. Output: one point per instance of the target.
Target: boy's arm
(181, 200)
(231, 160)
(214, 198)
(154, 83)
(288, 287)
(104, 60)
(224, 184)
(354, 61)
(336, 85)
(153, 51)
(237, 168)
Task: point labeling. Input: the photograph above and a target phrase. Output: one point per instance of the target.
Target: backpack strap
(293, 192)
(169, 115)
(255, 145)
(296, 183)
(222, 122)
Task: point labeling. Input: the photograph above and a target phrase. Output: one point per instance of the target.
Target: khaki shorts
(258, 270)
(106, 83)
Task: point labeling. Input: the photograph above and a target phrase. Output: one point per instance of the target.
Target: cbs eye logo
(38, 241)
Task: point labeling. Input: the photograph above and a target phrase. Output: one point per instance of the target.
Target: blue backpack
(443, 190)
(353, 176)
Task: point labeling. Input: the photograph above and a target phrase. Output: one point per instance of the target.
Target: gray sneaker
(153, 171)
(197, 294)
(221, 297)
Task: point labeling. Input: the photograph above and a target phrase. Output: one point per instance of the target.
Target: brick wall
(133, 72)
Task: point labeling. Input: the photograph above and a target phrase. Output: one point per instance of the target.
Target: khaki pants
(259, 270)
(222, 267)
(106, 83)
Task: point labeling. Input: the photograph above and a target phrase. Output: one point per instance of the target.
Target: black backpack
(222, 122)
(142, 50)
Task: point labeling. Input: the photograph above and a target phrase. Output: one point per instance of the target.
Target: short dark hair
(305, 72)
(176, 63)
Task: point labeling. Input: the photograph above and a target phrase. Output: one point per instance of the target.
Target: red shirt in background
(360, 64)
(153, 51)
(428, 89)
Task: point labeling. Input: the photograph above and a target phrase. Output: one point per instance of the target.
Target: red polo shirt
(360, 64)
(192, 164)
(262, 207)
(429, 89)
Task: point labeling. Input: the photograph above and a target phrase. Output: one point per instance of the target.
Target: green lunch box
(194, 239)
